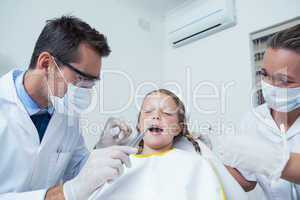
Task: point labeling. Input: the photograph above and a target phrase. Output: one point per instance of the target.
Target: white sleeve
(297, 188)
(295, 144)
(36, 195)
(79, 158)
(248, 175)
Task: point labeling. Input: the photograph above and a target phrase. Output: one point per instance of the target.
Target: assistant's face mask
(75, 101)
(281, 99)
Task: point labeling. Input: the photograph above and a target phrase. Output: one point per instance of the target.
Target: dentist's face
(89, 63)
(282, 68)
(159, 113)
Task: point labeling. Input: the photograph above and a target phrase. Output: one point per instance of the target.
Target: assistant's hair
(286, 39)
(181, 114)
(62, 36)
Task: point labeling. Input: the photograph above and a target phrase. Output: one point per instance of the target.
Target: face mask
(281, 99)
(74, 102)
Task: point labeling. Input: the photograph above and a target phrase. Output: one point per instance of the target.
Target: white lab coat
(28, 168)
(260, 121)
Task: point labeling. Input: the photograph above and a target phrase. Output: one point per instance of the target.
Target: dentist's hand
(102, 166)
(252, 150)
(116, 132)
(254, 155)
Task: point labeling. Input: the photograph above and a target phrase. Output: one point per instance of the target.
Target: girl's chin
(157, 145)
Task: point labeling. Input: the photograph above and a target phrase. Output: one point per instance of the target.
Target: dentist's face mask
(281, 99)
(76, 100)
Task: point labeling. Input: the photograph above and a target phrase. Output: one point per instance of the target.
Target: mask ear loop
(50, 93)
(49, 88)
(59, 70)
(66, 82)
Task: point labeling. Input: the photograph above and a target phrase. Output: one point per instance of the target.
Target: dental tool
(138, 139)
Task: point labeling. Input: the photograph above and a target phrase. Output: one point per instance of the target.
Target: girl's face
(159, 115)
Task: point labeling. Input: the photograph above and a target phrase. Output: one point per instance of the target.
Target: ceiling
(160, 6)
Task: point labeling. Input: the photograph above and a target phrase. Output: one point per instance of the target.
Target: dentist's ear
(44, 61)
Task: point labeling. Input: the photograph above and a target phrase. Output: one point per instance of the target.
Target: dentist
(42, 151)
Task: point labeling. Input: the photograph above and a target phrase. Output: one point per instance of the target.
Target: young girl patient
(159, 171)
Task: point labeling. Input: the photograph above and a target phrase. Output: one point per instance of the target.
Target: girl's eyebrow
(148, 108)
(168, 109)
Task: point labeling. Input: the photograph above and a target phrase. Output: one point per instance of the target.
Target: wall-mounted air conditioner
(199, 18)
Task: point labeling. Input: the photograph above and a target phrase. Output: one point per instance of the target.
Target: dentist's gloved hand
(116, 132)
(254, 149)
(103, 165)
(254, 155)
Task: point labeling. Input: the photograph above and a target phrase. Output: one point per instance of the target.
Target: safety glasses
(82, 79)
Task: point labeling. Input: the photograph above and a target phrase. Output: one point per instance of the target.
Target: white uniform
(27, 167)
(175, 174)
(265, 126)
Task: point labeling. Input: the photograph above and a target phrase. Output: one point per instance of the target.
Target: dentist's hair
(181, 114)
(62, 36)
(286, 39)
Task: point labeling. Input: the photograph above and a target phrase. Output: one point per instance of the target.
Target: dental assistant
(42, 151)
(266, 150)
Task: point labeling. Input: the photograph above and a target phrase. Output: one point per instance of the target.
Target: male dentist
(42, 151)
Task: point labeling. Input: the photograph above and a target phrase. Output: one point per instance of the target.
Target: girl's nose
(156, 117)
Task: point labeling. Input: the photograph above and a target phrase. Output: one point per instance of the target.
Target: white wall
(222, 59)
(136, 49)
(141, 51)
(143, 54)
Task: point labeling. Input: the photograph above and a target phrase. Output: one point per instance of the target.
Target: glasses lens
(86, 83)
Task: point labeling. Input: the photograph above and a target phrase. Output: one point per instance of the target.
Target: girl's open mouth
(155, 130)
